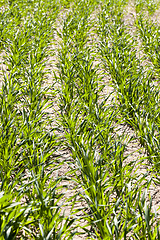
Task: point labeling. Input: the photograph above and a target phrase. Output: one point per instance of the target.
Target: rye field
(79, 119)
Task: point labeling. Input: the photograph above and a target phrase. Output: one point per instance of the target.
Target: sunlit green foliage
(40, 121)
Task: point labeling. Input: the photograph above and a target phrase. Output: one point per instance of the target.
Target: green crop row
(136, 93)
(137, 96)
(30, 202)
(39, 121)
(88, 125)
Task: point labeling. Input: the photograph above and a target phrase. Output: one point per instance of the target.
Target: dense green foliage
(55, 57)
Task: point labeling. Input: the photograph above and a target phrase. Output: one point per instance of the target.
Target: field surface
(79, 119)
